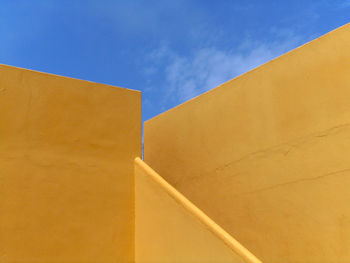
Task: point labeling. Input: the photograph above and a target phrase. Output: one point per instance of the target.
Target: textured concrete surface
(267, 155)
(66, 169)
(169, 228)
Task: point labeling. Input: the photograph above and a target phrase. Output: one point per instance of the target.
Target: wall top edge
(10, 67)
(248, 73)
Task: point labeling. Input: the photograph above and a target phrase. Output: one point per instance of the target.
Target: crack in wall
(339, 172)
(284, 148)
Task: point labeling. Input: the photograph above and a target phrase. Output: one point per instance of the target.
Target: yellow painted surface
(267, 155)
(66, 169)
(169, 228)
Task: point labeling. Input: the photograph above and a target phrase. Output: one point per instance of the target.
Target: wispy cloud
(150, 18)
(344, 4)
(188, 76)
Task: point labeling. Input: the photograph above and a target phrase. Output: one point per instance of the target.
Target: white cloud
(188, 76)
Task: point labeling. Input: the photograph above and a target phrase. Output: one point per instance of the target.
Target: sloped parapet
(169, 228)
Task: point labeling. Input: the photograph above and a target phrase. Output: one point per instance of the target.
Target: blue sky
(170, 50)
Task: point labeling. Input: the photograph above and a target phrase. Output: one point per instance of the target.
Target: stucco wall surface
(66, 169)
(169, 228)
(267, 155)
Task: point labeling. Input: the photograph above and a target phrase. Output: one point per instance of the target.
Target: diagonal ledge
(221, 234)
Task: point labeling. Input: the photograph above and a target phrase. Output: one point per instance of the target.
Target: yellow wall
(267, 155)
(66, 169)
(169, 228)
